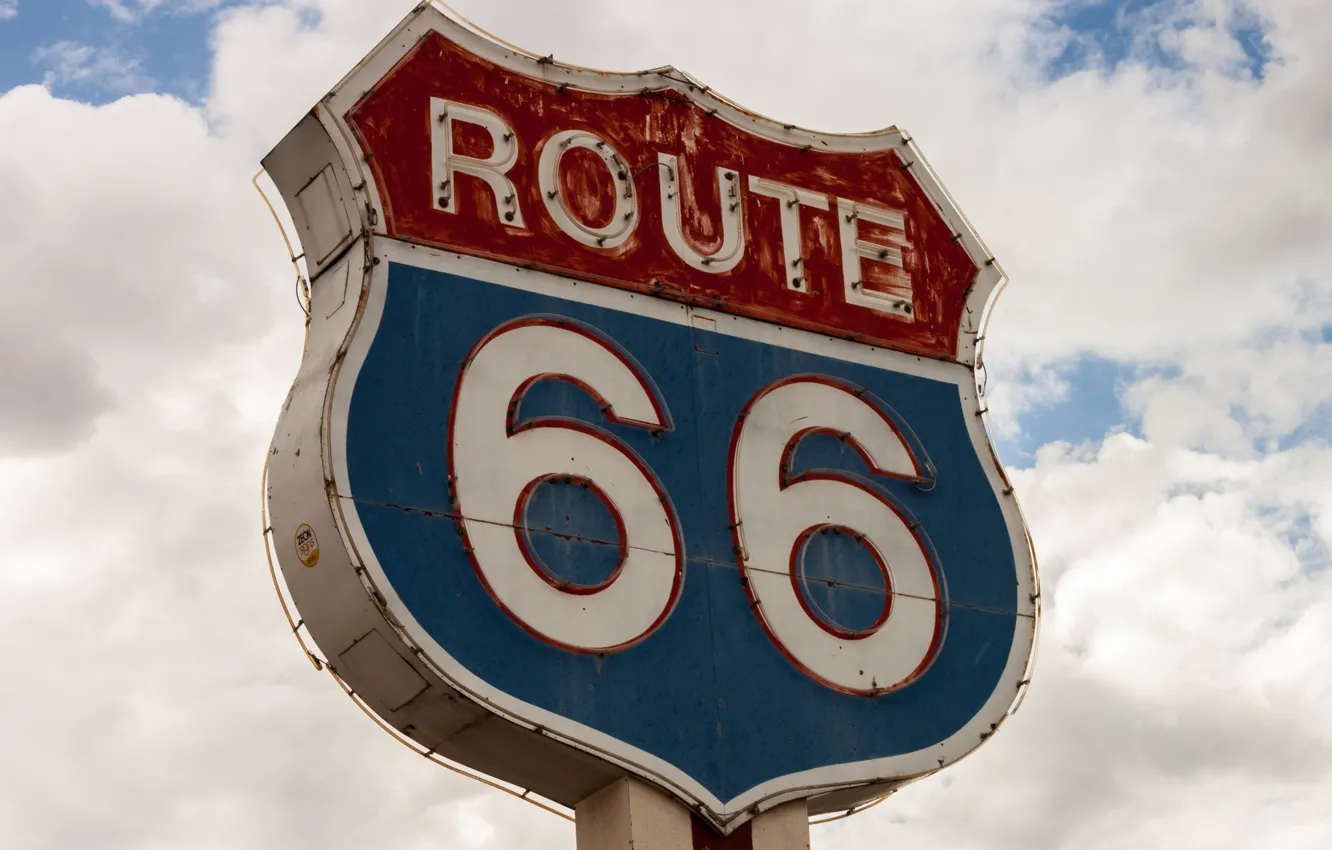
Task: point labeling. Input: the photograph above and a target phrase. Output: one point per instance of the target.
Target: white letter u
(732, 249)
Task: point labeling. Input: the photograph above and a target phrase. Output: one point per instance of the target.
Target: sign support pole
(631, 815)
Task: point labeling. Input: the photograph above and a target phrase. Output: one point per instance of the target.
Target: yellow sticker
(307, 546)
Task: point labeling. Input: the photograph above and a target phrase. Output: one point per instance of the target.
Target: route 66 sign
(640, 434)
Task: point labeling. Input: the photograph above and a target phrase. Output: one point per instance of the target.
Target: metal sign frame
(335, 577)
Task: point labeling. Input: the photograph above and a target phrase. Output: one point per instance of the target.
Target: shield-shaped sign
(638, 434)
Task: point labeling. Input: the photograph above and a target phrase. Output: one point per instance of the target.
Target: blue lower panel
(624, 695)
(708, 692)
(771, 710)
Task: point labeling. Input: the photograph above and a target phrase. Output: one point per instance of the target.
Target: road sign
(638, 434)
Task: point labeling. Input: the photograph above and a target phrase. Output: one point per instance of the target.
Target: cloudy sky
(1156, 178)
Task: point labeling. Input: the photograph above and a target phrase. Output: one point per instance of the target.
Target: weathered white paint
(771, 517)
(492, 169)
(732, 249)
(493, 468)
(856, 251)
(327, 225)
(792, 198)
(621, 226)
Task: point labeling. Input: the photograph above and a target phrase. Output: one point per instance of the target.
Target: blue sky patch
(1316, 428)
(84, 51)
(1091, 410)
(1103, 34)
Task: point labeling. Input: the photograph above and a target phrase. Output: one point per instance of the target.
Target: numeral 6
(776, 513)
(497, 463)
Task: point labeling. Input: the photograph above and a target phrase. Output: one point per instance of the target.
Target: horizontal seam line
(695, 559)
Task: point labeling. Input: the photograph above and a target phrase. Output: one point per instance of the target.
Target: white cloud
(1179, 698)
(129, 11)
(1011, 396)
(121, 249)
(154, 698)
(9, 9)
(1240, 400)
(103, 68)
(119, 10)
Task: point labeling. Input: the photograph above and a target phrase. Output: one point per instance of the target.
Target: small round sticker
(307, 546)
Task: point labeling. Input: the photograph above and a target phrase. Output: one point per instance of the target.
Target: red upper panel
(395, 125)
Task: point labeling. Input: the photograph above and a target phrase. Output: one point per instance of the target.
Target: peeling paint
(392, 124)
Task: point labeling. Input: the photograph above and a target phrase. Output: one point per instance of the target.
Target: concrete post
(631, 815)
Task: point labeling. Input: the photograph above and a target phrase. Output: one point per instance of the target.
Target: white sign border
(572, 733)
(884, 773)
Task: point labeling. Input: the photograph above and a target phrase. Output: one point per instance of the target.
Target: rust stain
(587, 187)
(393, 124)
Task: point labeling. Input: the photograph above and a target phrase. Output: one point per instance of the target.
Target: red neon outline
(785, 480)
(862, 395)
(523, 533)
(664, 421)
(539, 150)
(798, 577)
(663, 415)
